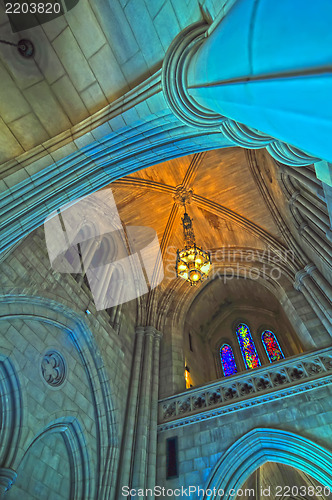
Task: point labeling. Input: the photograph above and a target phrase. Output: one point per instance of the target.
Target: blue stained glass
(248, 349)
(272, 346)
(227, 360)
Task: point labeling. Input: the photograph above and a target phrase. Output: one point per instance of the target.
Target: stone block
(202, 438)
(185, 15)
(145, 32)
(71, 390)
(85, 28)
(117, 29)
(192, 478)
(131, 117)
(38, 165)
(135, 70)
(3, 186)
(73, 60)
(70, 100)
(24, 72)
(167, 25)
(108, 73)
(3, 15)
(53, 28)
(94, 98)
(191, 452)
(29, 131)
(9, 145)
(9, 95)
(48, 61)
(154, 7)
(186, 466)
(15, 178)
(68, 149)
(47, 108)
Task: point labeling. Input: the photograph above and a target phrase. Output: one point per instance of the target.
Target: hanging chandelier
(192, 263)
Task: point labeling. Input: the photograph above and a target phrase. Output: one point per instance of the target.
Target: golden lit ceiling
(226, 204)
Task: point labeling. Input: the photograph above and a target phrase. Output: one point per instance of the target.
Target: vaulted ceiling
(83, 61)
(227, 207)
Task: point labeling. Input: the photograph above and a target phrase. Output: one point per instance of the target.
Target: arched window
(248, 349)
(272, 346)
(227, 360)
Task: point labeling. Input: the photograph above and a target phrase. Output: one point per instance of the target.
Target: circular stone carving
(53, 368)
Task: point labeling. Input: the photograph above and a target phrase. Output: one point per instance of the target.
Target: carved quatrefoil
(53, 368)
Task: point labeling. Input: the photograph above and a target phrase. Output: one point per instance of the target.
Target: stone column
(118, 300)
(7, 479)
(143, 427)
(309, 181)
(145, 445)
(324, 174)
(310, 211)
(152, 462)
(314, 296)
(101, 288)
(315, 240)
(312, 270)
(266, 65)
(116, 322)
(130, 422)
(88, 249)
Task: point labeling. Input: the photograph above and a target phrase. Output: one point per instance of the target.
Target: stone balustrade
(253, 387)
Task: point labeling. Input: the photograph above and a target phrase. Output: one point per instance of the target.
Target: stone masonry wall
(26, 339)
(200, 445)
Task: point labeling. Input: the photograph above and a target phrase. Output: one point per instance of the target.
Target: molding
(277, 380)
(7, 478)
(289, 155)
(189, 111)
(154, 138)
(244, 136)
(261, 445)
(299, 277)
(273, 208)
(174, 85)
(193, 419)
(12, 405)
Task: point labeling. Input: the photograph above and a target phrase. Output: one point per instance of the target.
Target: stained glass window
(248, 349)
(272, 346)
(227, 360)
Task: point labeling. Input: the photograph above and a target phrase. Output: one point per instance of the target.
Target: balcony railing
(282, 378)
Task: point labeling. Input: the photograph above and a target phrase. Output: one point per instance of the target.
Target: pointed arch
(71, 431)
(227, 359)
(272, 347)
(267, 445)
(247, 346)
(11, 411)
(51, 312)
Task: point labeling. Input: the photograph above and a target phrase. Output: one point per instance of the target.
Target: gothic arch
(231, 358)
(281, 288)
(58, 315)
(10, 412)
(216, 354)
(277, 286)
(72, 434)
(268, 445)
